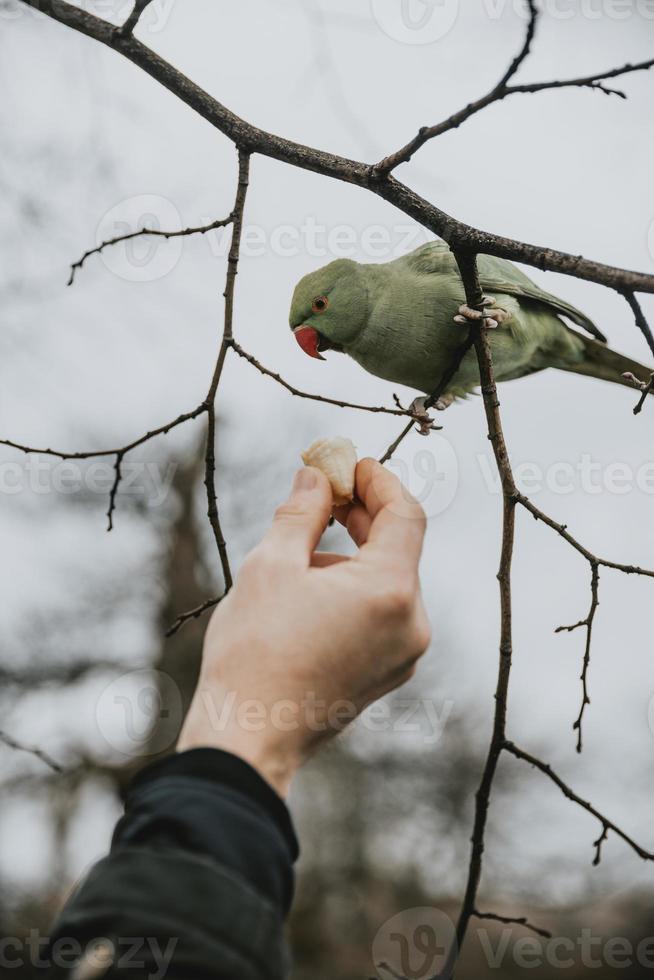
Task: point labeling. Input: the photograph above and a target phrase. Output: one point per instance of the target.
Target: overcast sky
(91, 145)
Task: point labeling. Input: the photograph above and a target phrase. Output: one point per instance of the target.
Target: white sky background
(85, 133)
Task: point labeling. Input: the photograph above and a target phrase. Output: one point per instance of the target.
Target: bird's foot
(491, 315)
(422, 417)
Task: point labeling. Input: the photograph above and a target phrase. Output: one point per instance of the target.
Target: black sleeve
(197, 883)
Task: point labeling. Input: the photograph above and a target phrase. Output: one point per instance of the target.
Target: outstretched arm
(199, 878)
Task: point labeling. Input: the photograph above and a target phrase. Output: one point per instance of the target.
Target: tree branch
(562, 529)
(500, 92)
(584, 804)
(227, 338)
(588, 624)
(509, 920)
(439, 390)
(31, 750)
(474, 297)
(192, 614)
(458, 234)
(128, 27)
(640, 318)
(119, 453)
(318, 398)
(201, 230)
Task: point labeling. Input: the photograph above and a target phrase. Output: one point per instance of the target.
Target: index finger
(398, 521)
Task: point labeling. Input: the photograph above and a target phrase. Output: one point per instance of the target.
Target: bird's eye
(319, 304)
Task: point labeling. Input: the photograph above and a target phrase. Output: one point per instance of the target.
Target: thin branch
(114, 490)
(588, 624)
(597, 844)
(318, 398)
(474, 297)
(640, 318)
(584, 804)
(439, 390)
(562, 529)
(510, 920)
(588, 81)
(31, 750)
(128, 27)
(226, 342)
(201, 230)
(526, 46)
(500, 92)
(192, 614)
(458, 234)
(119, 452)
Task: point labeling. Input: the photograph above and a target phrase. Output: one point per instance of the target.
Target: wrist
(276, 761)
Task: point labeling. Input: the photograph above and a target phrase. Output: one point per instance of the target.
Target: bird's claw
(491, 315)
(422, 417)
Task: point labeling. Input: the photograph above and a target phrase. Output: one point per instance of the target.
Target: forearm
(199, 878)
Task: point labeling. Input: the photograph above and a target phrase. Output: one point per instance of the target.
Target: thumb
(300, 521)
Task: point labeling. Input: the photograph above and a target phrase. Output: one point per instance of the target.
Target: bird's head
(329, 307)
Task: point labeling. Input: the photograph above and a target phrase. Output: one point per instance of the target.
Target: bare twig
(458, 234)
(114, 490)
(440, 389)
(639, 317)
(318, 398)
(119, 452)
(588, 624)
(526, 46)
(562, 529)
(192, 614)
(31, 750)
(201, 230)
(584, 804)
(510, 920)
(500, 92)
(597, 844)
(128, 27)
(474, 297)
(226, 342)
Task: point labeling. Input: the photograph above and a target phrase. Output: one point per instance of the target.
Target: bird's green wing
(499, 276)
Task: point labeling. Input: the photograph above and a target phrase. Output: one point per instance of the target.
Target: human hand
(305, 640)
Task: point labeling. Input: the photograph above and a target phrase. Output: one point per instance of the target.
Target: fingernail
(305, 479)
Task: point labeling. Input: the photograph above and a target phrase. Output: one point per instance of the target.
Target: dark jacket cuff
(216, 805)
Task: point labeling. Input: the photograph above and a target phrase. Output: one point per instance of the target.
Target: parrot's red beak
(308, 339)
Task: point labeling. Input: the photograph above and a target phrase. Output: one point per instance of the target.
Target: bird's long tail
(602, 362)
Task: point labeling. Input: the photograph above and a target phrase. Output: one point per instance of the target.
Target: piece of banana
(337, 458)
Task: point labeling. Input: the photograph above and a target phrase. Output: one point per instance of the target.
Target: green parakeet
(396, 320)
